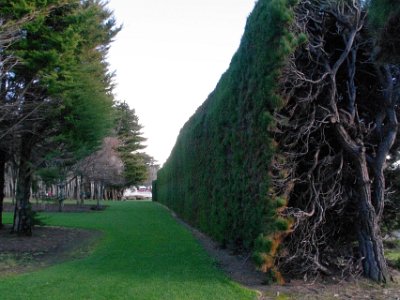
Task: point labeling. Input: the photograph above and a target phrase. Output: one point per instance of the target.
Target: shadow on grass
(144, 254)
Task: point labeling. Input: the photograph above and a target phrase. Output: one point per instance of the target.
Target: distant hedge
(217, 177)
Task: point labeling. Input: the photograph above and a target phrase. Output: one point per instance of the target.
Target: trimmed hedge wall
(217, 177)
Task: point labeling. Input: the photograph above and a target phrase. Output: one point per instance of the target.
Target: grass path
(144, 254)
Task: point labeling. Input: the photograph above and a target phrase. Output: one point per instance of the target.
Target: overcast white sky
(169, 57)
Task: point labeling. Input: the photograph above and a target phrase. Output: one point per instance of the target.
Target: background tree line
(56, 95)
(286, 159)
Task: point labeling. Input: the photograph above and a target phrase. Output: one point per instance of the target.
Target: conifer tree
(10, 32)
(128, 131)
(62, 86)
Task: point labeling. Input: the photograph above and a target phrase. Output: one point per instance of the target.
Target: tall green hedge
(217, 177)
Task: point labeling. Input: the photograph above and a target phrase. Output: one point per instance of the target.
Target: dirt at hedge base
(242, 270)
(47, 246)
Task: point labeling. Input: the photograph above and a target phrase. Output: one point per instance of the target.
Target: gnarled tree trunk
(336, 128)
(367, 227)
(22, 224)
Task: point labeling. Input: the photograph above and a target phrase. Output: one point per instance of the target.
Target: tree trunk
(77, 191)
(92, 190)
(82, 194)
(60, 195)
(22, 213)
(369, 237)
(2, 181)
(99, 194)
(370, 244)
(14, 182)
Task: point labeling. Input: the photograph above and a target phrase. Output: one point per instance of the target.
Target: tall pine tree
(128, 131)
(62, 87)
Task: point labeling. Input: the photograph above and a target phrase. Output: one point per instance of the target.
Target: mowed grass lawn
(143, 254)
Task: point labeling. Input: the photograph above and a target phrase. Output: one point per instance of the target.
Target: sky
(169, 57)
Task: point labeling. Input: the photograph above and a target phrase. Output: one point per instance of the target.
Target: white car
(137, 193)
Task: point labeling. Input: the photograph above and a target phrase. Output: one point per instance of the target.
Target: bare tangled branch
(334, 135)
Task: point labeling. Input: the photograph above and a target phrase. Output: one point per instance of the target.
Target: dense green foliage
(217, 175)
(62, 80)
(381, 10)
(384, 21)
(64, 53)
(143, 254)
(62, 85)
(60, 88)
